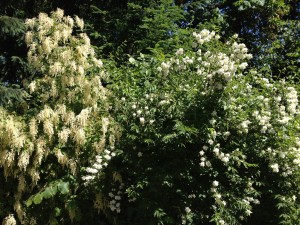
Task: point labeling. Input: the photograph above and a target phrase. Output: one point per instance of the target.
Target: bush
(205, 141)
(44, 150)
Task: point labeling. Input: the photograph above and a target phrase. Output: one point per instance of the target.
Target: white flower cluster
(240, 52)
(244, 126)
(275, 167)
(16, 148)
(61, 157)
(13, 131)
(217, 196)
(280, 164)
(263, 118)
(73, 126)
(23, 160)
(222, 222)
(224, 157)
(292, 100)
(187, 218)
(205, 36)
(246, 201)
(69, 58)
(203, 160)
(217, 69)
(165, 68)
(180, 51)
(100, 163)
(285, 105)
(142, 110)
(115, 199)
(9, 220)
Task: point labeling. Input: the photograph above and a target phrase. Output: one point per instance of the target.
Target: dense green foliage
(180, 124)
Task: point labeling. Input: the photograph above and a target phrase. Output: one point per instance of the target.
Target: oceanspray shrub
(205, 140)
(43, 152)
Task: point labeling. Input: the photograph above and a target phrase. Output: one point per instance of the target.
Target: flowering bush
(194, 137)
(205, 141)
(43, 152)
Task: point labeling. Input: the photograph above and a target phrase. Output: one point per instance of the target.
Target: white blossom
(215, 183)
(275, 167)
(9, 220)
(179, 51)
(142, 120)
(91, 170)
(79, 22)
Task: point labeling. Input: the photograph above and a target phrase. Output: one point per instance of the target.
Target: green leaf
(169, 137)
(57, 211)
(63, 188)
(37, 199)
(159, 213)
(28, 202)
(49, 192)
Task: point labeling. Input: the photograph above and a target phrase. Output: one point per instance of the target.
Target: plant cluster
(43, 151)
(190, 137)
